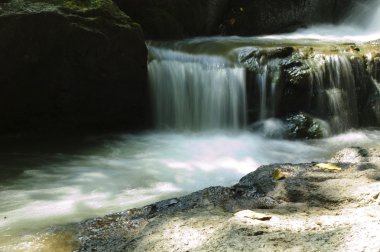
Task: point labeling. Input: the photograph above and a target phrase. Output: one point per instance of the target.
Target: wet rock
(303, 126)
(297, 80)
(351, 155)
(260, 53)
(69, 65)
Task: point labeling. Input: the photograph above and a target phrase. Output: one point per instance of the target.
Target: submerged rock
(70, 65)
(303, 126)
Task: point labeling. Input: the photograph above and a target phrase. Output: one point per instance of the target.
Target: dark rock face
(173, 19)
(69, 65)
(264, 17)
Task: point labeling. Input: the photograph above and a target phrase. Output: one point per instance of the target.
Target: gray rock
(303, 126)
(351, 155)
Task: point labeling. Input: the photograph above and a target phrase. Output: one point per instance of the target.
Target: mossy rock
(303, 126)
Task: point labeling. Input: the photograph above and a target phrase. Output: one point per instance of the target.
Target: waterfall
(236, 84)
(376, 105)
(196, 92)
(267, 79)
(262, 79)
(333, 79)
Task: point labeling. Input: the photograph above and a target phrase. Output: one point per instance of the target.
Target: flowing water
(199, 92)
(66, 180)
(196, 92)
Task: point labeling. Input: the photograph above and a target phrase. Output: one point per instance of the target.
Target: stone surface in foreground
(307, 208)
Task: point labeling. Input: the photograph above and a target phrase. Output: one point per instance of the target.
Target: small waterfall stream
(334, 81)
(267, 79)
(196, 92)
(193, 90)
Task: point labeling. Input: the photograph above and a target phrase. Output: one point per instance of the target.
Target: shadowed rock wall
(174, 19)
(67, 65)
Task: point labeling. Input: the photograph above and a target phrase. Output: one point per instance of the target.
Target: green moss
(72, 4)
(84, 8)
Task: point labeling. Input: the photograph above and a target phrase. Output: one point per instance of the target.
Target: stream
(56, 181)
(202, 137)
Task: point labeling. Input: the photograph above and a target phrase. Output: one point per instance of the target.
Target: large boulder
(69, 65)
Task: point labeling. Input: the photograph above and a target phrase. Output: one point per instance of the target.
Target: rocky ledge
(70, 65)
(331, 206)
(305, 76)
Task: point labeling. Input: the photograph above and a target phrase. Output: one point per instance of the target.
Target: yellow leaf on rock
(329, 167)
(278, 175)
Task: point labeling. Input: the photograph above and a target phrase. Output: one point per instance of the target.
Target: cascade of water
(196, 92)
(376, 105)
(334, 83)
(376, 84)
(262, 81)
(267, 79)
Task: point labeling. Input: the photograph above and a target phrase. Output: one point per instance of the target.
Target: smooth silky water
(201, 138)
